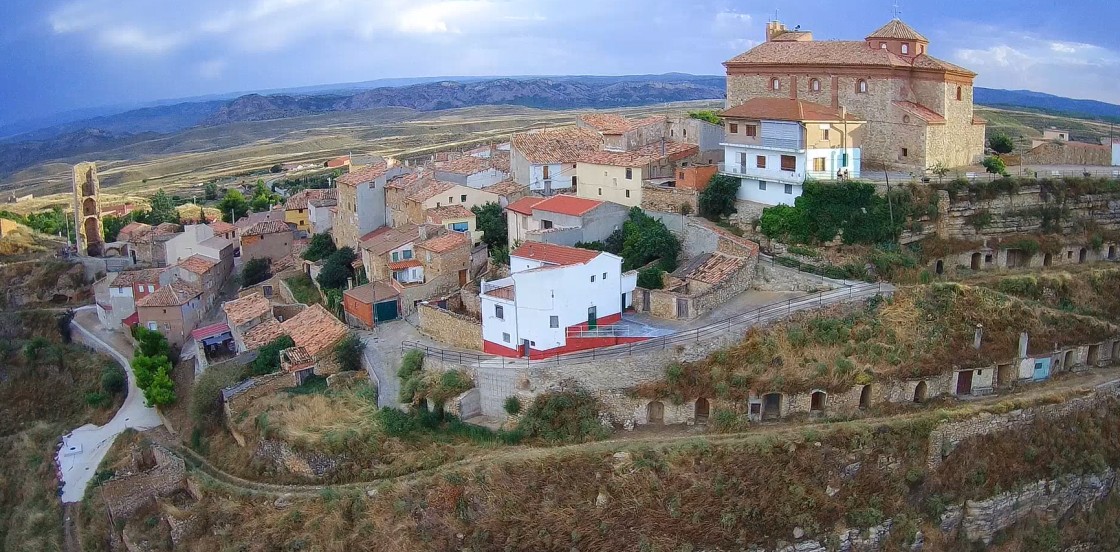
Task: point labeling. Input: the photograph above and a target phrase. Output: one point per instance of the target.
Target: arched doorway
(816, 402)
(702, 410)
(1047, 259)
(89, 206)
(1081, 255)
(920, 392)
(1112, 252)
(772, 406)
(939, 268)
(655, 413)
(865, 397)
(976, 258)
(1067, 362)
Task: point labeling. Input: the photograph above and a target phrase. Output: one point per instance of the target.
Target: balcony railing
(769, 175)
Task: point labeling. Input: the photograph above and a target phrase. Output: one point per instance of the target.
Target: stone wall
(669, 200)
(126, 494)
(1017, 213)
(236, 398)
(946, 437)
(1070, 153)
(451, 328)
(775, 277)
(725, 290)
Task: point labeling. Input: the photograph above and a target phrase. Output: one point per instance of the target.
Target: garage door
(386, 310)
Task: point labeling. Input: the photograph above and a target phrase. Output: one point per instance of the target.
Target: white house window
(554, 321)
(775, 84)
(815, 85)
(604, 275)
(407, 254)
(627, 193)
(463, 198)
(459, 226)
(505, 337)
(592, 278)
(733, 128)
(629, 173)
(546, 224)
(861, 86)
(882, 45)
(905, 48)
(600, 191)
(762, 185)
(789, 189)
(499, 312)
(396, 256)
(153, 326)
(824, 134)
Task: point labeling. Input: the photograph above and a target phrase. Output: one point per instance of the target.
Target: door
(1041, 369)
(976, 261)
(682, 308)
(623, 304)
(592, 318)
(742, 162)
(525, 348)
(462, 277)
(645, 301)
(964, 382)
(772, 406)
(544, 172)
(655, 413)
(386, 310)
(702, 410)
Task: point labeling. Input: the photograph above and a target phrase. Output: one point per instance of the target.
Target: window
(604, 275)
(733, 128)
(459, 226)
(438, 204)
(545, 171)
(751, 130)
(450, 200)
(627, 193)
(592, 278)
(789, 189)
(684, 132)
(814, 85)
(505, 337)
(267, 291)
(629, 173)
(153, 326)
(905, 152)
(546, 224)
(463, 198)
(960, 93)
(760, 161)
(407, 254)
(921, 49)
(554, 321)
(151, 288)
(905, 118)
(824, 134)
(905, 48)
(818, 164)
(499, 312)
(395, 256)
(600, 191)
(861, 86)
(882, 45)
(789, 163)
(762, 185)
(775, 84)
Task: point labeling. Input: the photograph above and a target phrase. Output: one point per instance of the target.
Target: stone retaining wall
(126, 494)
(669, 200)
(451, 328)
(775, 277)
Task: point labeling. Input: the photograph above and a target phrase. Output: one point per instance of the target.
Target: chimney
(773, 29)
(1023, 345)
(977, 336)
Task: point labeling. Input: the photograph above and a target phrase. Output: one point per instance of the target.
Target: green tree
(337, 269)
(256, 271)
(145, 368)
(646, 239)
(277, 168)
(651, 278)
(261, 204)
(151, 343)
(995, 165)
(718, 199)
(348, 352)
(268, 357)
(320, 247)
(211, 191)
(940, 170)
(111, 226)
(707, 115)
(1001, 143)
(163, 209)
(233, 206)
(161, 390)
(491, 220)
(113, 380)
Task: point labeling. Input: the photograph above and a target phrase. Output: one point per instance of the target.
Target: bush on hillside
(565, 416)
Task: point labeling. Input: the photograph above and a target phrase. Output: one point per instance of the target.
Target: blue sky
(65, 54)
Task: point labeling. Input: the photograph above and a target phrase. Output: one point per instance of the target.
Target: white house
(545, 159)
(1116, 153)
(557, 299)
(774, 144)
(562, 219)
(196, 239)
(471, 171)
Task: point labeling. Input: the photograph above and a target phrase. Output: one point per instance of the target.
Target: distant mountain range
(90, 135)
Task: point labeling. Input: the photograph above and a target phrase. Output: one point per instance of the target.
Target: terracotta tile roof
(977, 120)
(467, 165)
(178, 292)
(447, 212)
(922, 112)
(610, 123)
(895, 28)
(431, 190)
(446, 242)
(554, 254)
(929, 62)
(555, 145)
(210, 331)
(818, 52)
(198, 264)
(410, 180)
(367, 174)
(642, 156)
(793, 36)
(262, 334)
(166, 228)
(499, 160)
(507, 188)
(222, 227)
(250, 307)
(567, 205)
(373, 292)
(374, 233)
(274, 214)
(267, 227)
(401, 265)
(338, 162)
(391, 239)
(712, 268)
(524, 205)
(130, 277)
(314, 329)
(784, 109)
(132, 228)
(297, 357)
(507, 292)
(323, 202)
(301, 199)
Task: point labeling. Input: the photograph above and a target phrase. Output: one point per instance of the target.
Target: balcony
(764, 142)
(769, 175)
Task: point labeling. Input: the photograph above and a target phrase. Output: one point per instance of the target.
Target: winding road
(84, 448)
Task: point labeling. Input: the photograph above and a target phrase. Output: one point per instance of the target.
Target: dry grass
(310, 418)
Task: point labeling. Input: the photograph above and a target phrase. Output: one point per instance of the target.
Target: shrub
(396, 423)
(97, 399)
(256, 271)
(206, 395)
(113, 380)
(651, 278)
(348, 353)
(563, 416)
(513, 406)
(1001, 143)
(320, 247)
(411, 363)
(717, 200)
(449, 384)
(268, 357)
(994, 165)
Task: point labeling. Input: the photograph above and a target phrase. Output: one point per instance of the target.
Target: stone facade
(87, 209)
(125, 495)
(1069, 153)
(775, 277)
(670, 200)
(451, 328)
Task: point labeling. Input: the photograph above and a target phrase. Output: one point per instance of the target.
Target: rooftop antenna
(897, 12)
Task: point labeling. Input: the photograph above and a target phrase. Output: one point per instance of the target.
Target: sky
(59, 55)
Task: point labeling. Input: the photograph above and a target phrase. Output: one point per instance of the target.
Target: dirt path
(71, 539)
(647, 439)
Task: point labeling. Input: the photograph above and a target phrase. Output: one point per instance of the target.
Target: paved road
(84, 448)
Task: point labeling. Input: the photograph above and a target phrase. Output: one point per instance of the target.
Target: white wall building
(774, 145)
(195, 239)
(554, 295)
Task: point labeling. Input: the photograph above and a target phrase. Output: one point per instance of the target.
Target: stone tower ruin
(87, 209)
